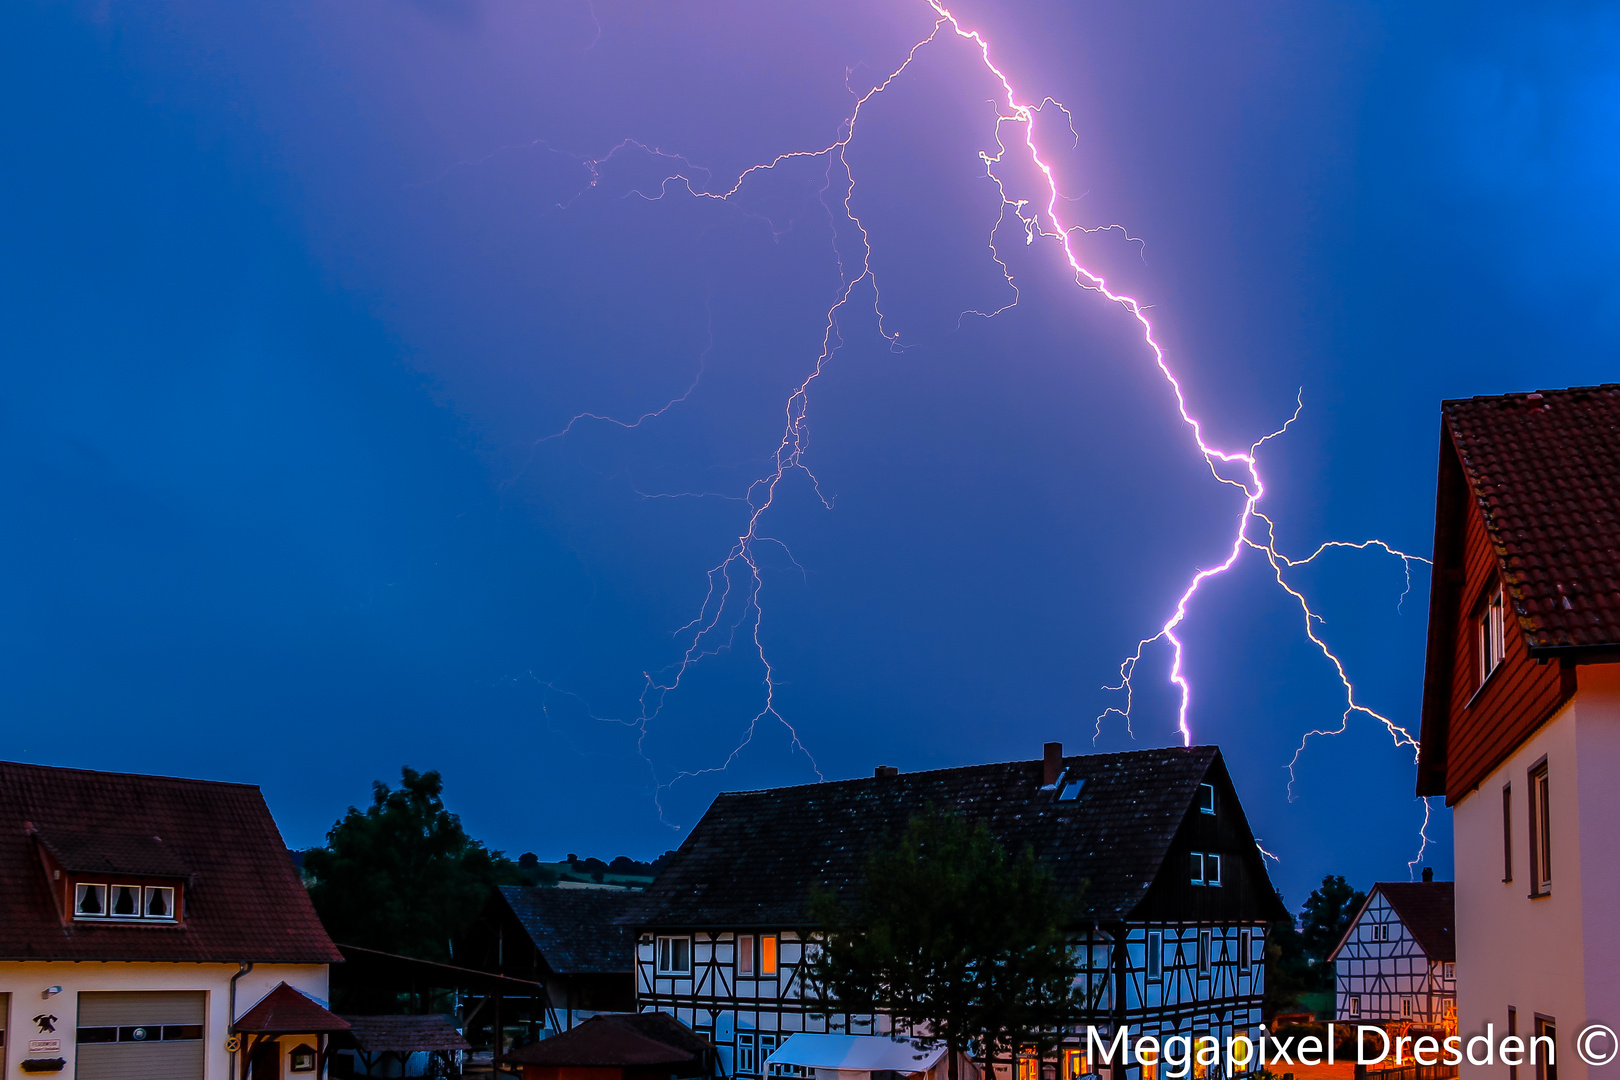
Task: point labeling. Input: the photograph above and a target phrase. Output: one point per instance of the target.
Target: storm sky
(299, 300)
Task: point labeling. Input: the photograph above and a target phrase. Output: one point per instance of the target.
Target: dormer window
(1491, 632)
(123, 902)
(1206, 798)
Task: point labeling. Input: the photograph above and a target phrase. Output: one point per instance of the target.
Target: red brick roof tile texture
(289, 1011)
(1545, 469)
(242, 897)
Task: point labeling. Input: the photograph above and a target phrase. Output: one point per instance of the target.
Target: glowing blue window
(1071, 790)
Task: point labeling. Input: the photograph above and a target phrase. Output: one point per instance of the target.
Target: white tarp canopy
(856, 1053)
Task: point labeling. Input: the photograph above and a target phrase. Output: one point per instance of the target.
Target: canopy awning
(856, 1053)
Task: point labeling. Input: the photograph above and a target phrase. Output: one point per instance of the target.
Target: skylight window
(1071, 789)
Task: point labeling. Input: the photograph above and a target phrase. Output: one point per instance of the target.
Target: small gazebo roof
(287, 1011)
(405, 1034)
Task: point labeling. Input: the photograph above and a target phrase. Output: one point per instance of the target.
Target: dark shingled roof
(577, 930)
(405, 1034)
(286, 1011)
(1545, 469)
(753, 858)
(1428, 909)
(601, 1042)
(243, 899)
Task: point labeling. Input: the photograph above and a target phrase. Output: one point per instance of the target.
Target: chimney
(1428, 873)
(883, 772)
(1052, 764)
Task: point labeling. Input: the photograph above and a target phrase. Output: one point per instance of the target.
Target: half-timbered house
(1521, 709)
(1174, 893)
(1396, 964)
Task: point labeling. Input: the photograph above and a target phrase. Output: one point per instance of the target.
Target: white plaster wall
(26, 982)
(1555, 955)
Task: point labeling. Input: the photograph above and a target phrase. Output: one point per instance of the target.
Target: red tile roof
(242, 897)
(405, 1034)
(286, 1011)
(599, 1043)
(1428, 909)
(1545, 469)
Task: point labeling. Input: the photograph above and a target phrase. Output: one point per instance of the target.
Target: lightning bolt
(735, 585)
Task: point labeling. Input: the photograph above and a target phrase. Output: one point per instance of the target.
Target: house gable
(1528, 500)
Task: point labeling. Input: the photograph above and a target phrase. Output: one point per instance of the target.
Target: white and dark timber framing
(1174, 894)
(1396, 964)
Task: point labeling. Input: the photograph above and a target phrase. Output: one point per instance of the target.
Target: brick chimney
(883, 772)
(1428, 873)
(1052, 764)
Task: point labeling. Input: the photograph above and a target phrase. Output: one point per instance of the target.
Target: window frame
(1352, 1005)
(1490, 633)
(1153, 960)
(769, 958)
(1245, 951)
(1507, 832)
(1195, 866)
(746, 967)
(746, 1045)
(661, 954)
(1209, 790)
(1408, 1008)
(1540, 821)
(146, 903)
(1546, 1064)
(78, 899)
(1212, 869)
(1206, 950)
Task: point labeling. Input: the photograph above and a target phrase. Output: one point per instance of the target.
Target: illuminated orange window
(767, 954)
(1074, 1064)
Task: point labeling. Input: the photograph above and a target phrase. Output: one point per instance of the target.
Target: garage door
(152, 1035)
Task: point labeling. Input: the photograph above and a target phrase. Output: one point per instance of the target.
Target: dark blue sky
(292, 292)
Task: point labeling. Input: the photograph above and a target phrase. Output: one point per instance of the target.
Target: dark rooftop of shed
(600, 1043)
(577, 930)
(753, 858)
(405, 1034)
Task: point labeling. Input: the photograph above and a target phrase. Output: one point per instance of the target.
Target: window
(1513, 1029)
(159, 902)
(674, 956)
(301, 1058)
(1245, 953)
(89, 900)
(1203, 952)
(1544, 1049)
(1353, 1005)
(767, 954)
(1197, 868)
(1507, 832)
(1540, 832)
(747, 1055)
(1449, 970)
(745, 954)
(93, 900)
(767, 1047)
(1380, 931)
(1071, 789)
(1406, 1008)
(1206, 798)
(1155, 955)
(1491, 633)
(1212, 869)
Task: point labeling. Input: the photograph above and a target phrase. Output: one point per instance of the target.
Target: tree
(952, 938)
(403, 876)
(1323, 921)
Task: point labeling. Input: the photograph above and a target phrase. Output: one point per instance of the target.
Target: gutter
(243, 967)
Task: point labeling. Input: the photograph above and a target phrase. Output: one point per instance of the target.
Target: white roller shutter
(141, 1035)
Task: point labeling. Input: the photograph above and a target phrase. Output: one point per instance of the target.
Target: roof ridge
(132, 775)
(1067, 759)
(1556, 391)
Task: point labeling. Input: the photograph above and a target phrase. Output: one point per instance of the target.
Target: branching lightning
(732, 603)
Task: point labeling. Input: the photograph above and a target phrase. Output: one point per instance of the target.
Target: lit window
(89, 901)
(1155, 955)
(1203, 952)
(767, 954)
(1206, 798)
(674, 955)
(1212, 869)
(159, 902)
(1492, 634)
(1197, 867)
(745, 955)
(1540, 831)
(1353, 1006)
